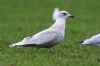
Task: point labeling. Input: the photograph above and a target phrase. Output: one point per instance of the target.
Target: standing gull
(48, 37)
(95, 40)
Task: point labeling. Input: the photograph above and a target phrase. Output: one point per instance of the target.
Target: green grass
(22, 18)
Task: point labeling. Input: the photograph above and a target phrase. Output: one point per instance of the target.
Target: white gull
(48, 37)
(95, 40)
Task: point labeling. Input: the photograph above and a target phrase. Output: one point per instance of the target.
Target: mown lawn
(22, 18)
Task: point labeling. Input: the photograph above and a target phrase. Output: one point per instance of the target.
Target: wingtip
(12, 45)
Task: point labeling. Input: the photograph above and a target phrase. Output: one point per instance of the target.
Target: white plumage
(95, 40)
(48, 37)
(55, 14)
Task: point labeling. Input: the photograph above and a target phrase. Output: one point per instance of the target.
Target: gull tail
(21, 43)
(16, 44)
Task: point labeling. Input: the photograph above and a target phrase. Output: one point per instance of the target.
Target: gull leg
(50, 50)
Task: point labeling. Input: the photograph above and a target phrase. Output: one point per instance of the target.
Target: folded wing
(42, 38)
(39, 39)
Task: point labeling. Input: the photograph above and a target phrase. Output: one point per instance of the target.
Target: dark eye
(64, 13)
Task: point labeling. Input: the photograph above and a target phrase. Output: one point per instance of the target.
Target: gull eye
(64, 14)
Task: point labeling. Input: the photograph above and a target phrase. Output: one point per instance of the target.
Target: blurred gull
(95, 40)
(48, 37)
(55, 14)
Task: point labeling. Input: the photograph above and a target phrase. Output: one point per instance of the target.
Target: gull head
(85, 41)
(64, 14)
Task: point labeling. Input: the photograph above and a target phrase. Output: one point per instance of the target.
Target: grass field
(22, 18)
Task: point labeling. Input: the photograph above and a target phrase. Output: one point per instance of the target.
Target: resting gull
(95, 40)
